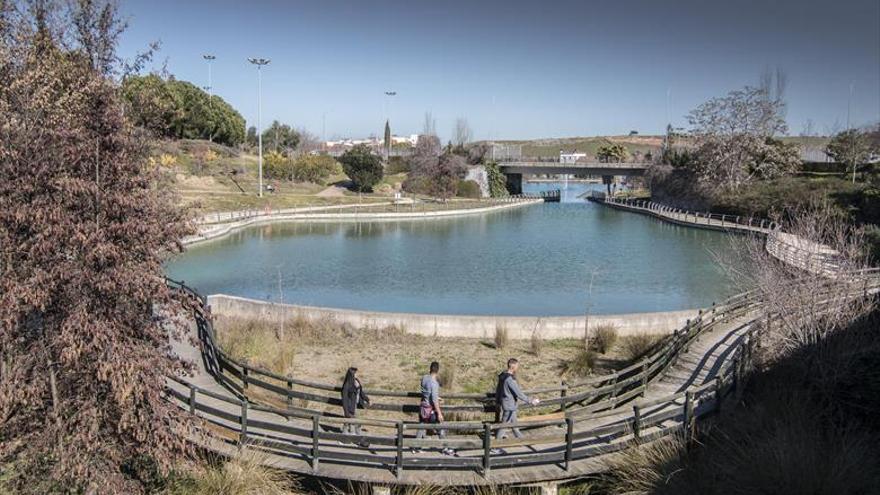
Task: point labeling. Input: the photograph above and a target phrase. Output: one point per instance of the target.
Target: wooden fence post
(243, 426)
(487, 448)
(563, 392)
(399, 468)
(569, 440)
(644, 380)
(316, 437)
(192, 399)
(289, 397)
(637, 422)
(688, 415)
(719, 382)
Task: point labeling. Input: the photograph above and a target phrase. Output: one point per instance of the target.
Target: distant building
(340, 146)
(571, 156)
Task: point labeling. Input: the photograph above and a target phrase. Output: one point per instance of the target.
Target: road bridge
(514, 170)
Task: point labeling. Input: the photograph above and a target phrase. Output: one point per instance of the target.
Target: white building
(570, 157)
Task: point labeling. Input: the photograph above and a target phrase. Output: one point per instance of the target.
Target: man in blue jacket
(508, 395)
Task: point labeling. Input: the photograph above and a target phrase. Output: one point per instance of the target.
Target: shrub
(277, 166)
(397, 165)
(636, 346)
(446, 377)
(502, 339)
(497, 181)
(604, 338)
(536, 344)
(581, 364)
(469, 189)
(315, 168)
(363, 167)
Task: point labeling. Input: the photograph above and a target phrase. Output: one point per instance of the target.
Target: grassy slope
(217, 178)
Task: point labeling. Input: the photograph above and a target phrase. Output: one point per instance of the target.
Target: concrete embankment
(216, 231)
(518, 327)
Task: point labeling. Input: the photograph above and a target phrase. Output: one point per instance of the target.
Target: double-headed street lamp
(260, 62)
(209, 88)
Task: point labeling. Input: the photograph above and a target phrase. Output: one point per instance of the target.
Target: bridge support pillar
(514, 183)
(381, 490)
(608, 180)
(549, 488)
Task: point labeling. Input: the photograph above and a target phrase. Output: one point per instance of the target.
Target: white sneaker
(447, 451)
(497, 452)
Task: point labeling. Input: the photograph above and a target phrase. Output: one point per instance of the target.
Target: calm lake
(534, 260)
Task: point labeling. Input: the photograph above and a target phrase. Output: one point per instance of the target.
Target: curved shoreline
(442, 325)
(217, 231)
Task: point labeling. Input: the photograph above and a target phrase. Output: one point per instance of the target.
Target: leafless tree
(461, 133)
(804, 307)
(429, 128)
(308, 142)
(734, 135)
(773, 84)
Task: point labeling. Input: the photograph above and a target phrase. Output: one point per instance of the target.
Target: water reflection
(529, 261)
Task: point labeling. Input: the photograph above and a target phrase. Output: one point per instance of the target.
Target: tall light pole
(210, 88)
(260, 62)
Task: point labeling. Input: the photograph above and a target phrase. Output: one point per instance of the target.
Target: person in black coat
(353, 397)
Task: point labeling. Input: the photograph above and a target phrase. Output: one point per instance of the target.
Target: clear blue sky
(552, 68)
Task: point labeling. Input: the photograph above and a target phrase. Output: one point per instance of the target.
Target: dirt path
(333, 191)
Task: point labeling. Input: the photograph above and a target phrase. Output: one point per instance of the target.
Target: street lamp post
(210, 88)
(260, 62)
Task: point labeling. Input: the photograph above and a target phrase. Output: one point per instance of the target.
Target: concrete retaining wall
(551, 327)
(216, 231)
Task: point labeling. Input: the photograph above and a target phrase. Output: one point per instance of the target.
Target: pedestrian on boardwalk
(508, 395)
(353, 397)
(430, 411)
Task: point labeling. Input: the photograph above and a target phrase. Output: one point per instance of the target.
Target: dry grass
(388, 359)
(536, 344)
(243, 475)
(604, 338)
(502, 337)
(807, 424)
(635, 347)
(582, 364)
(446, 377)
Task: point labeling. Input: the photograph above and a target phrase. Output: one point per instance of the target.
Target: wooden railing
(577, 434)
(796, 252)
(583, 406)
(694, 217)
